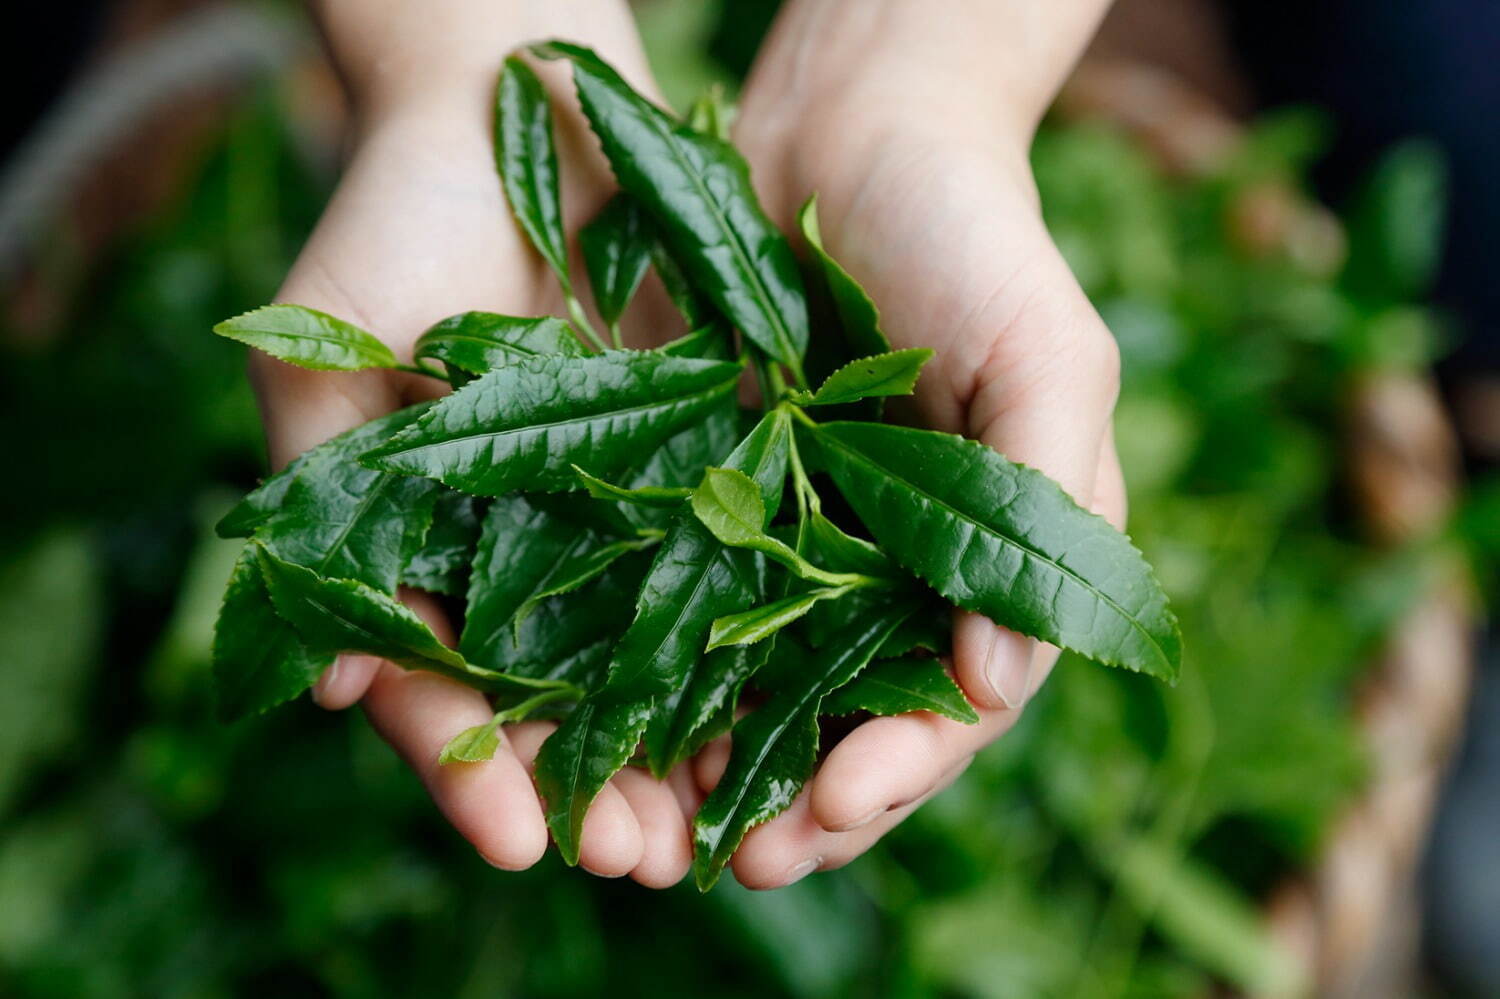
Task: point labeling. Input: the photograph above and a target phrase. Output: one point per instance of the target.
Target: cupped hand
(418, 230)
(919, 159)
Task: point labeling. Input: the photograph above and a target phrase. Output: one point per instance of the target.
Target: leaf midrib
(741, 255)
(1106, 598)
(553, 424)
(371, 351)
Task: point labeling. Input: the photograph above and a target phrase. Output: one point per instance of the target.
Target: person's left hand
(926, 197)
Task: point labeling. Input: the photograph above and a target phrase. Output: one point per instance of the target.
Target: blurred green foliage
(1116, 843)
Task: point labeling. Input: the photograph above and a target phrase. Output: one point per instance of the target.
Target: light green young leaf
(1004, 540)
(697, 190)
(658, 497)
(729, 504)
(527, 162)
(895, 373)
(308, 338)
(525, 426)
(897, 686)
(472, 745)
(477, 342)
(749, 627)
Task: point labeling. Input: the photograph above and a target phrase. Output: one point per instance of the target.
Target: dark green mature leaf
(617, 250)
(588, 748)
(881, 375)
(757, 623)
(308, 338)
(525, 426)
(477, 342)
(857, 314)
(832, 546)
(775, 745)
(527, 162)
(697, 189)
(520, 546)
(1004, 540)
(694, 308)
(578, 568)
(345, 521)
(897, 686)
(441, 565)
(692, 580)
(344, 615)
(259, 660)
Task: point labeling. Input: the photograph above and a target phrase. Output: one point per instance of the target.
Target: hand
(418, 230)
(893, 114)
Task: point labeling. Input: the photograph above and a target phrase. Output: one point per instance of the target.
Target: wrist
(401, 58)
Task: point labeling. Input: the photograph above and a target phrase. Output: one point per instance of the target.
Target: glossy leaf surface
(525, 426)
(259, 661)
(617, 251)
(897, 686)
(894, 373)
(527, 163)
(1004, 540)
(775, 745)
(697, 190)
(477, 342)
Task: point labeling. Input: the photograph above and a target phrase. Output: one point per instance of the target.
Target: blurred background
(1283, 212)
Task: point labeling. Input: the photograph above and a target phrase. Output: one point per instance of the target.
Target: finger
(1110, 500)
(793, 845)
(709, 764)
(667, 845)
(888, 762)
(345, 682)
(492, 804)
(611, 845)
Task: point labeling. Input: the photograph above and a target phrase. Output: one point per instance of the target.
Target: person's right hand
(419, 229)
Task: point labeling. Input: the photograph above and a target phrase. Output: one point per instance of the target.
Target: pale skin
(913, 127)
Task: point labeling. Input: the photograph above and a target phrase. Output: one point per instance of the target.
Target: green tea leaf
(344, 615)
(346, 521)
(576, 569)
(520, 545)
(441, 565)
(697, 190)
(525, 426)
(834, 547)
(657, 497)
(881, 375)
(527, 162)
(308, 338)
(698, 312)
(578, 759)
(857, 314)
(774, 747)
(897, 686)
(478, 342)
(1004, 540)
(729, 504)
(472, 745)
(749, 627)
(616, 250)
(259, 661)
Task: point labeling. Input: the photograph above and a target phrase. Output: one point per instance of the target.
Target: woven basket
(1351, 922)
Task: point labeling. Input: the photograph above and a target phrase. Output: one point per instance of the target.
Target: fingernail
(1007, 671)
(863, 820)
(601, 874)
(802, 870)
(320, 689)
